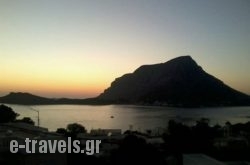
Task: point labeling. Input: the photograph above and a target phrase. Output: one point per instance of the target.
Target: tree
(61, 131)
(26, 120)
(75, 128)
(7, 114)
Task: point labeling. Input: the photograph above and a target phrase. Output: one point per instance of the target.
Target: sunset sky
(76, 48)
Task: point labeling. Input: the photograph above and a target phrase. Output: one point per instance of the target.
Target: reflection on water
(139, 117)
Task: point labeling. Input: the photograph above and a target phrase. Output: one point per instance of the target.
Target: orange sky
(64, 49)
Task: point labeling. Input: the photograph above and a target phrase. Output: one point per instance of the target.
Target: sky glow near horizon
(77, 48)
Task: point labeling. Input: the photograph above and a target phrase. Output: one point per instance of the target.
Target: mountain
(30, 99)
(24, 98)
(178, 82)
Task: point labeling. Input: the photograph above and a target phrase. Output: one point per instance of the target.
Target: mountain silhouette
(24, 98)
(178, 82)
(30, 99)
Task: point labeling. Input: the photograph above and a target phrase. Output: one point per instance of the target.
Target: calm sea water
(125, 116)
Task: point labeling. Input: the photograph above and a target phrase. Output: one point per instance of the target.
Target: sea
(127, 117)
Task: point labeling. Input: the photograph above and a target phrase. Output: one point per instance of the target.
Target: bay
(127, 117)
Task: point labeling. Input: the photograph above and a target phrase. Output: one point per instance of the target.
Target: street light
(38, 119)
